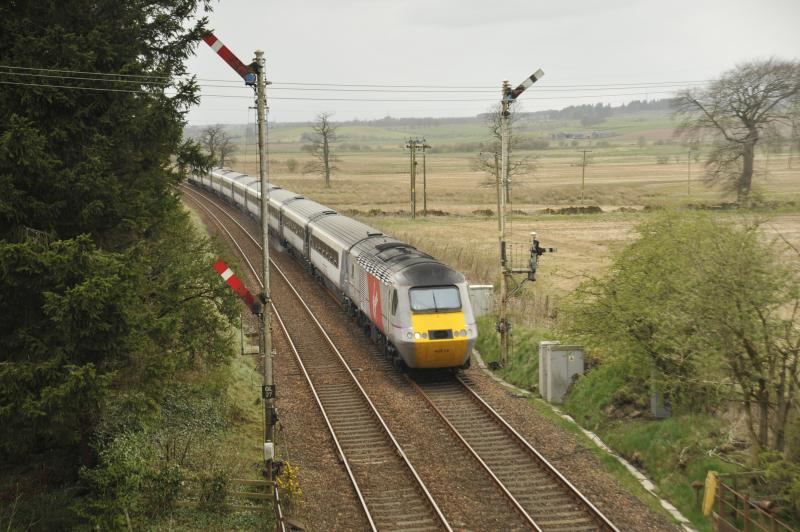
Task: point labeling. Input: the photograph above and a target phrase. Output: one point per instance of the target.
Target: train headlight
(463, 332)
(409, 335)
(424, 336)
(417, 336)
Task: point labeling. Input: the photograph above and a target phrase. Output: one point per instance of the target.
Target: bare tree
(794, 129)
(217, 143)
(226, 149)
(210, 138)
(321, 148)
(489, 158)
(737, 110)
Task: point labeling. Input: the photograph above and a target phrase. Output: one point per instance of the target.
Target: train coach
(413, 306)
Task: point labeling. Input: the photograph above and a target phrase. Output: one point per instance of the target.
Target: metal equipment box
(481, 296)
(558, 365)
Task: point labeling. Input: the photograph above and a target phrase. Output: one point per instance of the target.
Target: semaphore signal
(248, 72)
(237, 286)
(533, 78)
(254, 75)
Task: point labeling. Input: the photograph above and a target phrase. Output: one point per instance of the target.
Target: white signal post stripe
(227, 274)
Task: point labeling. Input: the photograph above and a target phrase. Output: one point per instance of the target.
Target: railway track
(390, 491)
(541, 495)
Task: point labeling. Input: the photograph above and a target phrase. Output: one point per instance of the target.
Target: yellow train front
(438, 330)
(420, 306)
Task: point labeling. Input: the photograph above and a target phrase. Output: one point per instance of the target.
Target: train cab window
(394, 302)
(435, 299)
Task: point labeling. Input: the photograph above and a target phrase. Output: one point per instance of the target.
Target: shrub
(214, 493)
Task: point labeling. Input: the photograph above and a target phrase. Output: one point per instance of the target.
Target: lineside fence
(737, 506)
(237, 495)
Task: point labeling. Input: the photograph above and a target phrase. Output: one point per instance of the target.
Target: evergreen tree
(106, 293)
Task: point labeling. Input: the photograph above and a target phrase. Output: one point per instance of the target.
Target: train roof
(346, 230)
(281, 195)
(307, 208)
(389, 259)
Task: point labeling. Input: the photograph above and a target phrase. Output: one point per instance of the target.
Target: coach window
(394, 302)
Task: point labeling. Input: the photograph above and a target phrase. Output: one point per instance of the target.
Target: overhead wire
(349, 87)
(429, 100)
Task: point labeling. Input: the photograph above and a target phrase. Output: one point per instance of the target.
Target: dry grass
(619, 176)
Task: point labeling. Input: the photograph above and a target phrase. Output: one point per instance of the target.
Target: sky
(448, 58)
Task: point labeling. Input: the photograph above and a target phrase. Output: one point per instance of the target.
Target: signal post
(508, 97)
(254, 75)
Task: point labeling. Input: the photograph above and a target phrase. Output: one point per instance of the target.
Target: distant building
(581, 135)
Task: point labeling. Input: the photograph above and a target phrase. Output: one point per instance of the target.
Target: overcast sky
(635, 48)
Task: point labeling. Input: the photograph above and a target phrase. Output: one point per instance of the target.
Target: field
(642, 165)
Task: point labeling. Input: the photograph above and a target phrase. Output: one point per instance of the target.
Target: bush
(783, 482)
(214, 493)
(161, 489)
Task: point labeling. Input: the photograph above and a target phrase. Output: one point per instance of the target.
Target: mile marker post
(508, 97)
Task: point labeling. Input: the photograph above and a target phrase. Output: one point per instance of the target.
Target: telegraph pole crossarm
(508, 97)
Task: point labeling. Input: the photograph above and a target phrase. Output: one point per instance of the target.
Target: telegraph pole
(508, 97)
(412, 145)
(689, 173)
(583, 173)
(265, 344)
(424, 180)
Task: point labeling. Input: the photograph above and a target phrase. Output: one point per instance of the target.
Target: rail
(450, 399)
(395, 444)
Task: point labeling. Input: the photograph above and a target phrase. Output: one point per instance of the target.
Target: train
(415, 308)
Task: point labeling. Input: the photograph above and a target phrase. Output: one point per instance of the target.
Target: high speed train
(413, 306)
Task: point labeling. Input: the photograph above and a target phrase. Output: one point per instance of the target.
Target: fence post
(746, 502)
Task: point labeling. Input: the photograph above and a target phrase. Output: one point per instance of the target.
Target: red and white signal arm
(247, 72)
(236, 284)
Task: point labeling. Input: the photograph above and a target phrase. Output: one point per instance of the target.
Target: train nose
(441, 340)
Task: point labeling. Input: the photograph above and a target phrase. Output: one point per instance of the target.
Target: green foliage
(783, 482)
(214, 492)
(110, 295)
(522, 368)
(88, 161)
(141, 471)
(118, 481)
(703, 304)
(674, 452)
(616, 385)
